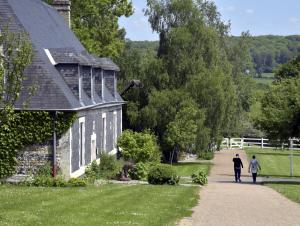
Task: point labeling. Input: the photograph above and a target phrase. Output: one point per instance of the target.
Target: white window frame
(121, 121)
(70, 146)
(104, 127)
(82, 120)
(93, 139)
(102, 85)
(115, 129)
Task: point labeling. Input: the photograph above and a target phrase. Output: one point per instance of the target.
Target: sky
(260, 17)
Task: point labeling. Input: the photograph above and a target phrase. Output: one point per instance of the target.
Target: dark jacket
(237, 163)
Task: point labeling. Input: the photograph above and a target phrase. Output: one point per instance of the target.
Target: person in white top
(253, 168)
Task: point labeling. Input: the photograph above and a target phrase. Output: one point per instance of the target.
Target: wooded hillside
(267, 51)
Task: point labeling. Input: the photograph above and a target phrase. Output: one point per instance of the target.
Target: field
(275, 163)
(266, 79)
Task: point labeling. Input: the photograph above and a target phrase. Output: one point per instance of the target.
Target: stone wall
(33, 157)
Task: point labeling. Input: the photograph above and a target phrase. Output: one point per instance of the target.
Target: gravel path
(224, 202)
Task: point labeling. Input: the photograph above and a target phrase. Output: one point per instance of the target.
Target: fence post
(291, 157)
(262, 143)
(242, 143)
(230, 143)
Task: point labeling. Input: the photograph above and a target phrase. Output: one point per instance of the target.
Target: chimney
(64, 8)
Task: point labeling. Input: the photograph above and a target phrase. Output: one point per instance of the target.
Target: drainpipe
(54, 169)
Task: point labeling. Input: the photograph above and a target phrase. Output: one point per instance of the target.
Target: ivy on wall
(27, 128)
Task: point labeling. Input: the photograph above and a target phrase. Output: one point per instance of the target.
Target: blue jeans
(237, 174)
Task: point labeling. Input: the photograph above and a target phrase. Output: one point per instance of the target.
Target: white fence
(243, 142)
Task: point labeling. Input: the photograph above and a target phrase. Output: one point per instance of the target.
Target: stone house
(69, 79)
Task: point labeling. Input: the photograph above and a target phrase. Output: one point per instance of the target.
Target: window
(81, 141)
(115, 129)
(93, 147)
(80, 87)
(104, 131)
(93, 143)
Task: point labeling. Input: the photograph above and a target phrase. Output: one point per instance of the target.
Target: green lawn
(266, 81)
(186, 169)
(104, 205)
(275, 163)
(291, 191)
(268, 75)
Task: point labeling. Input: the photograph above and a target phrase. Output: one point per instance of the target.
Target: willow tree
(195, 55)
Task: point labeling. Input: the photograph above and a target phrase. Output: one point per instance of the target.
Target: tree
(280, 117)
(95, 22)
(288, 70)
(191, 88)
(139, 147)
(182, 132)
(15, 56)
(281, 110)
(191, 36)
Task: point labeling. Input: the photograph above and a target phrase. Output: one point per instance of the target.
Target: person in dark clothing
(237, 167)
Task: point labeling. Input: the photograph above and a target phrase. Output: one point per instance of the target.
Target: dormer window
(86, 79)
(80, 84)
(109, 81)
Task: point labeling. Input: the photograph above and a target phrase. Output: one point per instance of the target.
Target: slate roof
(48, 30)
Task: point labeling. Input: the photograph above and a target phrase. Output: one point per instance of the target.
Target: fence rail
(242, 142)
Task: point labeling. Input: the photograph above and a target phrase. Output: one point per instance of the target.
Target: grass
(268, 75)
(186, 169)
(105, 205)
(265, 81)
(291, 191)
(275, 163)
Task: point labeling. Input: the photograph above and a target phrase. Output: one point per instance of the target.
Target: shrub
(140, 171)
(162, 174)
(59, 181)
(45, 170)
(109, 166)
(199, 178)
(139, 147)
(206, 155)
(77, 182)
(92, 172)
(47, 181)
(42, 181)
